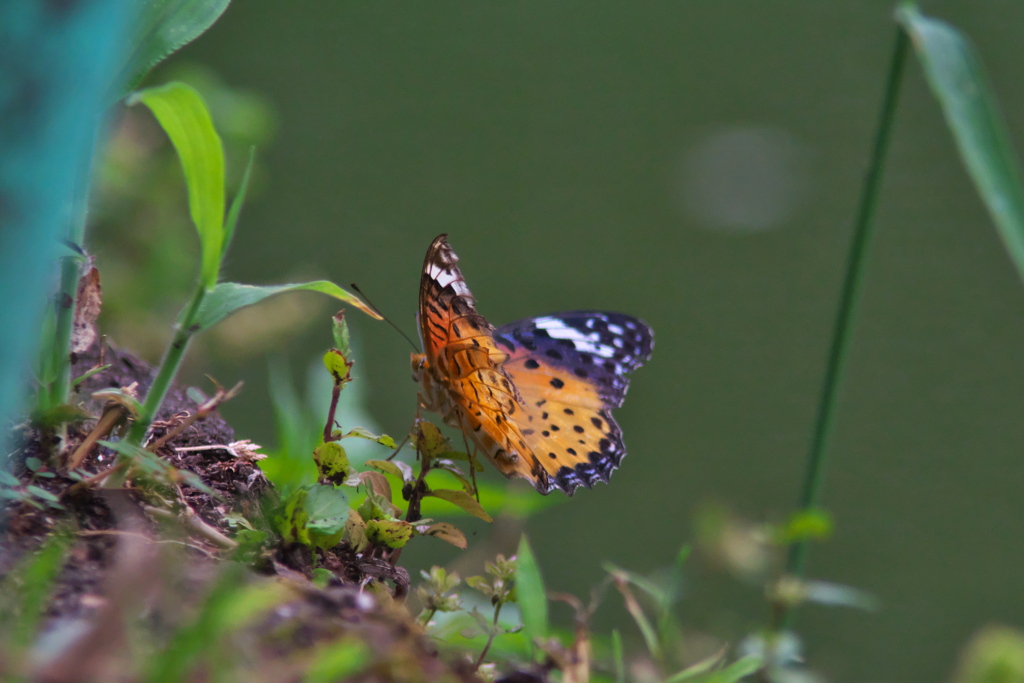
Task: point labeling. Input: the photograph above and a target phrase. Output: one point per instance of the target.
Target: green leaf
(392, 533)
(164, 26)
(400, 470)
(429, 440)
(957, 79)
(181, 111)
(42, 494)
(292, 523)
(462, 500)
(327, 508)
(530, 594)
(332, 461)
(337, 365)
(228, 297)
(339, 329)
(362, 433)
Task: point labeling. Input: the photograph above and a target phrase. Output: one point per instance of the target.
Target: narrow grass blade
(530, 593)
(617, 659)
(738, 670)
(237, 203)
(957, 79)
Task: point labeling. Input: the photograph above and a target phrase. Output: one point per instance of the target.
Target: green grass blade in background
(162, 28)
(530, 594)
(182, 113)
(236, 204)
(229, 297)
(958, 81)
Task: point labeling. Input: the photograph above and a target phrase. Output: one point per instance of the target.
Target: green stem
(66, 298)
(168, 369)
(809, 494)
(65, 310)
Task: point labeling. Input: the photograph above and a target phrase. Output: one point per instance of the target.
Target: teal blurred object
(57, 61)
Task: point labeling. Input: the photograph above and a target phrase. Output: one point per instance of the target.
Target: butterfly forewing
(535, 395)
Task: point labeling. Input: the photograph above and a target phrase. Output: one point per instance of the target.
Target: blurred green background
(695, 164)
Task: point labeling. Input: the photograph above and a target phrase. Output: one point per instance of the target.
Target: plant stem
(168, 369)
(69, 271)
(490, 635)
(797, 559)
(329, 427)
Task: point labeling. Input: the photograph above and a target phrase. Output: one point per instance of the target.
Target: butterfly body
(535, 396)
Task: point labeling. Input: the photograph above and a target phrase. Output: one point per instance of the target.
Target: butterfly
(536, 395)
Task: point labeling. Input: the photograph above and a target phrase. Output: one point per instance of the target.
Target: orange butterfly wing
(536, 395)
(570, 369)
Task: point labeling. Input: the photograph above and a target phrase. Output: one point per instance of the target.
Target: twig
(194, 523)
(204, 409)
(112, 414)
(136, 534)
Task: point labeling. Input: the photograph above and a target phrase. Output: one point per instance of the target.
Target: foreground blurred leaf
(182, 113)
(164, 26)
(958, 81)
(230, 604)
(337, 661)
(291, 465)
(27, 588)
(229, 297)
(530, 593)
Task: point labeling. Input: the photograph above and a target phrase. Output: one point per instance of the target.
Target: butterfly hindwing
(570, 370)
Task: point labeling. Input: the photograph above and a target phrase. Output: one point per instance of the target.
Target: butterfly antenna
(386, 319)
